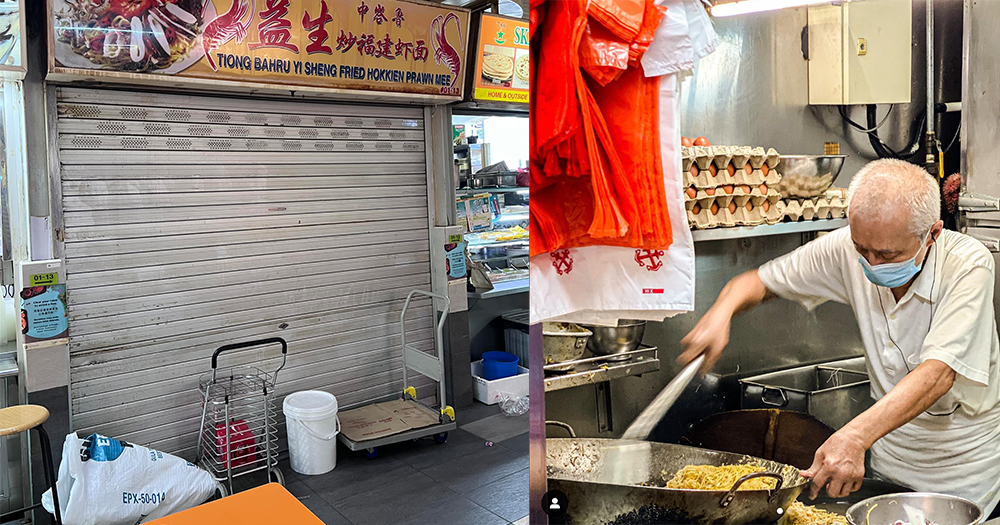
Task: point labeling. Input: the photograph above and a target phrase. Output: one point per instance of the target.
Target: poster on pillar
(369, 45)
(43, 313)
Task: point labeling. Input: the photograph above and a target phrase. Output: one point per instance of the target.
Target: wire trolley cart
(425, 364)
(239, 432)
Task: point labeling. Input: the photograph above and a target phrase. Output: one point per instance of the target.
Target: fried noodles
(709, 477)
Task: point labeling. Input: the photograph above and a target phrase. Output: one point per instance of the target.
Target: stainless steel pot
(601, 479)
(832, 394)
(563, 342)
(914, 508)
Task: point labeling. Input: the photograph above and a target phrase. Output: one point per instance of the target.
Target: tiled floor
(458, 482)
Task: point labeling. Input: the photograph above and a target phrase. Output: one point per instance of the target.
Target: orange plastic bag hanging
(602, 55)
(621, 17)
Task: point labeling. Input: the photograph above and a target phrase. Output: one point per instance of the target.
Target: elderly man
(923, 299)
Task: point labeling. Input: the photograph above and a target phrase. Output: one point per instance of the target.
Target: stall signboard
(12, 48)
(502, 60)
(370, 45)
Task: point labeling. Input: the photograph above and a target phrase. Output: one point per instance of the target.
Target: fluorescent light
(742, 7)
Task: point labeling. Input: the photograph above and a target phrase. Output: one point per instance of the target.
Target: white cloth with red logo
(598, 285)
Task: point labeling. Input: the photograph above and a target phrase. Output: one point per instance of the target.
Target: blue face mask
(891, 275)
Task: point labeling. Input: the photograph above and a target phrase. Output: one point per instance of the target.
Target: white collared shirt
(946, 315)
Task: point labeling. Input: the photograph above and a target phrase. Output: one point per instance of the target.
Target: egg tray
(832, 205)
(721, 156)
(737, 180)
(735, 210)
(713, 166)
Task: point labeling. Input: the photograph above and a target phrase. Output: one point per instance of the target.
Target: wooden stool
(22, 418)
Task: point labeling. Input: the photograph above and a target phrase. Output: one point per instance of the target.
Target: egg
(731, 169)
(748, 169)
(728, 188)
(732, 207)
(764, 169)
(712, 169)
(749, 206)
(745, 189)
(763, 189)
(696, 209)
(766, 206)
(694, 170)
(691, 192)
(710, 191)
(715, 208)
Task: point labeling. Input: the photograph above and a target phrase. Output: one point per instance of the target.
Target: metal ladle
(643, 425)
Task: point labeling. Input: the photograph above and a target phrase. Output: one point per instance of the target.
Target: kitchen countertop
(8, 364)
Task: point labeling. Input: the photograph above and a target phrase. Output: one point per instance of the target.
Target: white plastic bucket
(313, 425)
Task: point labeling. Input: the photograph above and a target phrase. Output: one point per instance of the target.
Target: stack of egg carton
(831, 205)
(730, 186)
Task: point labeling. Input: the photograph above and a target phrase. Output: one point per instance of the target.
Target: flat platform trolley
(424, 364)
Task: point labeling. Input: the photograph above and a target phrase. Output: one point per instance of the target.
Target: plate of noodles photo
(138, 36)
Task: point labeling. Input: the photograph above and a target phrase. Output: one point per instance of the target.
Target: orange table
(264, 505)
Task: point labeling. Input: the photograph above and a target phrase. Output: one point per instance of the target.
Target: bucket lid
(310, 405)
(520, 316)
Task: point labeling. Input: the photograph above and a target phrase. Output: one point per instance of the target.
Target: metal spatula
(643, 425)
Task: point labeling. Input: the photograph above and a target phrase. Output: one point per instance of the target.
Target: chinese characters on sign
(274, 30)
(317, 30)
(365, 44)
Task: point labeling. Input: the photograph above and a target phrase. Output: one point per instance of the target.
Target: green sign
(455, 238)
(44, 279)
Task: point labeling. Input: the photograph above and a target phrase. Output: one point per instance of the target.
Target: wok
(601, 480)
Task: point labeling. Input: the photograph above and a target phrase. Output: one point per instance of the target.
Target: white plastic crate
(486, 391)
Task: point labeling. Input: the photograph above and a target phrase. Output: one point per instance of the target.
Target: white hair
(886, 185)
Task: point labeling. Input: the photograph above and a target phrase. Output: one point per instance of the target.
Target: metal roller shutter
(194, 221)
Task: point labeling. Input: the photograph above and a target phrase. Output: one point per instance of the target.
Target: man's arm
(841, 460)
(811, 275)
(711, 335)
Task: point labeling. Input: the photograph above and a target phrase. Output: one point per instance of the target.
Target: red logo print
(649, 259)
(562, 261)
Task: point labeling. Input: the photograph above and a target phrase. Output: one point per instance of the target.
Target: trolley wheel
(371, 453)
(221, 488)
(441, 438)
(278, 476)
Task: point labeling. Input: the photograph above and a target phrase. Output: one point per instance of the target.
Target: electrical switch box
(859, 52)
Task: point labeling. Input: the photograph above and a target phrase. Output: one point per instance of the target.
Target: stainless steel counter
(8, 364)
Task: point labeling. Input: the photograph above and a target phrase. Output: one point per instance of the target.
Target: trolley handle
(248, 344)
(440, 324)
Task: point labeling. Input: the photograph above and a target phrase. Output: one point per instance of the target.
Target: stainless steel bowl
(914, 508)
(611, 340)
(563, 342)
(806, 176)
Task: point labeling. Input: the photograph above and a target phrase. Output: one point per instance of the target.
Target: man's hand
(839, 462)
(710, 337)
